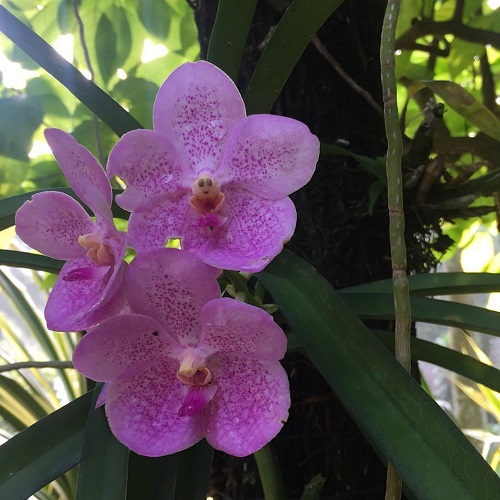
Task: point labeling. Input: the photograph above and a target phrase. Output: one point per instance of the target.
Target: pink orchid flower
(212, 176)
(89, 287)
(187, 364)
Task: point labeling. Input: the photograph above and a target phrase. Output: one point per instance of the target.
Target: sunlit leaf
(105, 46)
(465, 104)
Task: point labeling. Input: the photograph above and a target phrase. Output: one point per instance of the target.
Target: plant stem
(396, 211)
(270, 473)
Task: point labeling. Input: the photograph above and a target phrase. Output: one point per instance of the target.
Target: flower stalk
(396, 211)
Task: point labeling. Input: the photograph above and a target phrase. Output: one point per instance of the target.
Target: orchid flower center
(207, 197)
(193, 370)
(96, 250)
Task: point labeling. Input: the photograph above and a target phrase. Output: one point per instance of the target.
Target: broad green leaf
(26, 113)
(44, 451)
(465, 104)
(229, 34)
(152, 477)
(435, 461)
(436, 284)
(293, 33)
(155, 17)
(194, 471)
(181, 476)
(12, 177)
(374, 166)
(102, 473)
(447, 358)
(101, 104)
(439, 312)
(105, 46)
(138, 95)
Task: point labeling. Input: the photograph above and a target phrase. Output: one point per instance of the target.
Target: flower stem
(396, 211)
(270, 473)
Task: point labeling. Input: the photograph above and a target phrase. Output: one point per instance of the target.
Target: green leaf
(105, 46)
(436, 284)
(182, 476)
(194, 471)
(102, 473)
(229, 34)
(155, 17)
(30, 261)
(44, 451)
(293, 33)
(100, 103)
(26, 113)
(447, 358)
(404, 423)
(152, 477)
(439, 312)
(465, 104)
(373, 166)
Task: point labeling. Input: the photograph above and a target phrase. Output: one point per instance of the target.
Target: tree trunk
(335, 232)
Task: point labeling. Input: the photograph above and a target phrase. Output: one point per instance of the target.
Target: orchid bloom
(187, 364)
(89, 287)
(211, 176)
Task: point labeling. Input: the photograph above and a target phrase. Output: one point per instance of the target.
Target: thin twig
(60, 365)
(396, 212)
(338, 68)
(86, 55)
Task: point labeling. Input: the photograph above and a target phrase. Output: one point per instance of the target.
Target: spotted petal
(51, 223)
(80, 304)
(254, 234)
(250, 407)
(230, 326)
(143, 412)
(122, 347)
(172, 286)
(84, 173)
(197, 107)
(148, 163)
(271, 156)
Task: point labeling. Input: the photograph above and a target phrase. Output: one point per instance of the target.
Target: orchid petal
(84, 173)
(271, 156)
(122, 347)
(197, 399)
(101, 399)
(152, 228)
(172, 286)
(51, 223)
(143, 412)
(147, 162)
(250, 406)
(197, 107)
(230, 326)
(254, 234)
(79, 305)
(91, 272)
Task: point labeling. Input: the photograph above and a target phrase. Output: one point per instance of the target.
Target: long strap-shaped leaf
(439, 312)
(450, 359)
(30, 261)
(436, 284)
(229, 34)
(289, 40)
(100, 103)
(406, 425)
(102, 473)
(44, 451)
